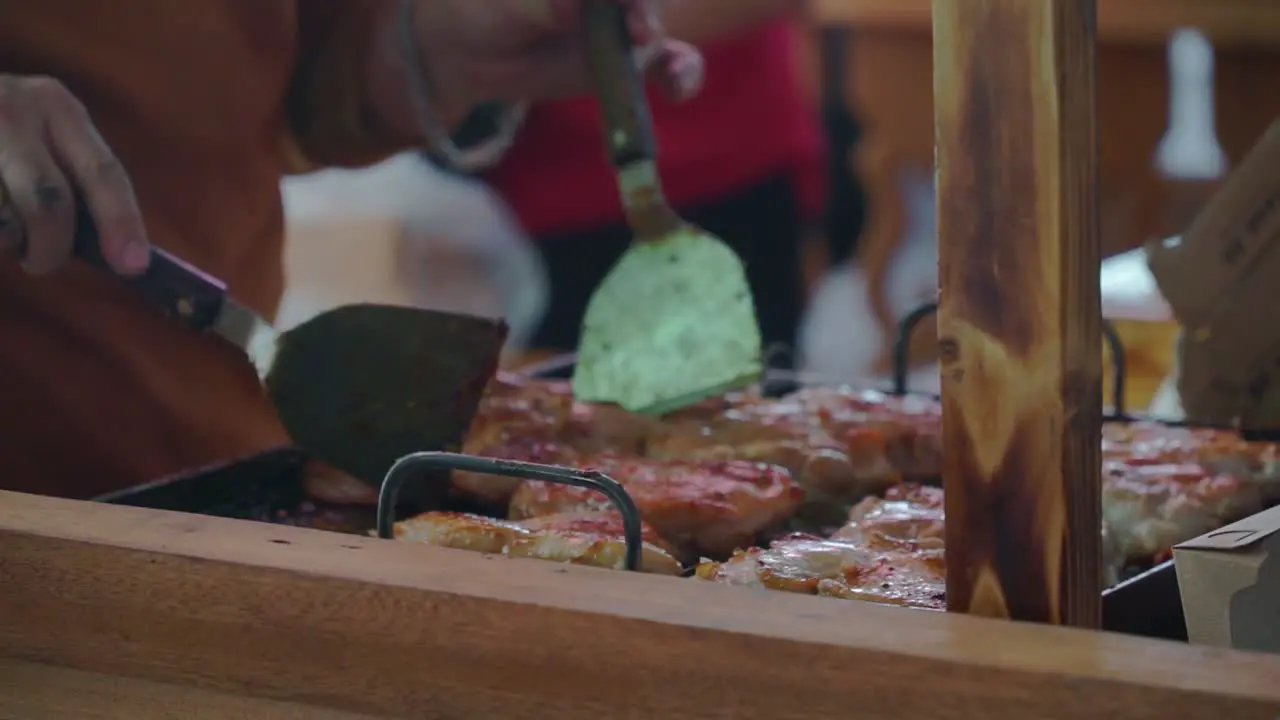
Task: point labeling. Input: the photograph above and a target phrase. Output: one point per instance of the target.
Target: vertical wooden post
(1019, 322)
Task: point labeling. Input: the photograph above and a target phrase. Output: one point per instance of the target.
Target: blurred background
(811, 152)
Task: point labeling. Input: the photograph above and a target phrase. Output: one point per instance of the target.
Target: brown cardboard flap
(1238, 535)
(1228, 375)
(1220, 279)
(1197, 272)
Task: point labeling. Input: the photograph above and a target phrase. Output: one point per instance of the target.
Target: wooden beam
(401, 630)
(1020, 320)
(1245, 23)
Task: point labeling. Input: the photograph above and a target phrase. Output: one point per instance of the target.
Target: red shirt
(753, 119)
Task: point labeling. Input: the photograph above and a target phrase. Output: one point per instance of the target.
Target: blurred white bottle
(1189, 160)
(1190, 164)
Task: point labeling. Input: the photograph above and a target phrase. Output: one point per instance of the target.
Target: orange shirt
(207, 103)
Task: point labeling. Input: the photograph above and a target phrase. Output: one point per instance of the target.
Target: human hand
(51, 157)
(517, 50)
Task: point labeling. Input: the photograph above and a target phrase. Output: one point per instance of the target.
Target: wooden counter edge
(368, 626)
(1227, 22)
(30, 691)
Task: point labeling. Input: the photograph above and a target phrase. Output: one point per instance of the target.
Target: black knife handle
(618, 83)
(175, 288)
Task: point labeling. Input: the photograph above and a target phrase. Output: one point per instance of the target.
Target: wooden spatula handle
(169, 285)
(618, 83)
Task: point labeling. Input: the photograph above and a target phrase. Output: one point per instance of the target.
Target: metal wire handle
(417, 465)
(902, 352)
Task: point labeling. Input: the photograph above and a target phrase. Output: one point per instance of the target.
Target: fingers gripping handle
(169, 285)
(619, 84)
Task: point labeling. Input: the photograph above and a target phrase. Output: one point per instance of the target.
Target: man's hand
(516, 50)
(50, 155)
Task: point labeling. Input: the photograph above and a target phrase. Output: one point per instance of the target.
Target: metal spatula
(674, 321)
(358, 387)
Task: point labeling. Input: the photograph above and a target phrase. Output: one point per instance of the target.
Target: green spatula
(674, 321)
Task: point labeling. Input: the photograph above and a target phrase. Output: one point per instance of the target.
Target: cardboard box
(1229, 580)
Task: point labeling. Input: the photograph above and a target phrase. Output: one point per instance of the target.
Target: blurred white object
(1190, 149)
(1129, 291)
(1167, 403)
(839, 336)
(405, 233)
(913, 273)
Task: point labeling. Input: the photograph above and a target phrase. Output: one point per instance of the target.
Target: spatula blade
(250, 332)
(672, 323)
(361, 386)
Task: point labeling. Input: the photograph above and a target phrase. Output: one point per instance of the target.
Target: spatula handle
(170, 285)
(619, 85)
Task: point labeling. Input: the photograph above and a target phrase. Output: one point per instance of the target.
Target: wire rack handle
(418, 465)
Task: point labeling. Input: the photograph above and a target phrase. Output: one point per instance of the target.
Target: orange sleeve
(329, 109)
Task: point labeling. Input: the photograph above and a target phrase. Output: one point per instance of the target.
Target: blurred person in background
(172, 122)
(744, 160)
(405, 232)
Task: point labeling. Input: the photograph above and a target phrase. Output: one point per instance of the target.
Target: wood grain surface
(29, 691)
(401, 630)
(1241, 23)
(1019, 320)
